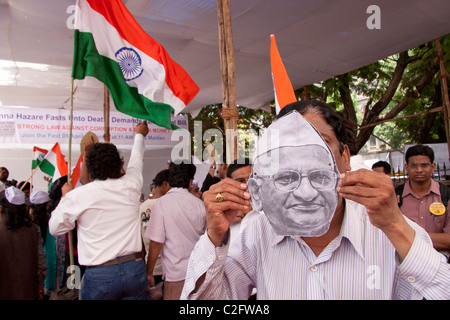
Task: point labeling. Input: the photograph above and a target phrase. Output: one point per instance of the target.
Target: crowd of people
(293, 222)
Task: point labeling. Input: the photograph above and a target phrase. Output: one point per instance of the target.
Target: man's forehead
(419, 159)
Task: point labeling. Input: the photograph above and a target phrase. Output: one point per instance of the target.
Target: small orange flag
(284, 93)
(76, 172)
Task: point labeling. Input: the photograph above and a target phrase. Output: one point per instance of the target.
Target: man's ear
(253, 187)
(346, 158)
(166, 186)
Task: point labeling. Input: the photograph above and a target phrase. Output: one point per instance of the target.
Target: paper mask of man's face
(299, 196)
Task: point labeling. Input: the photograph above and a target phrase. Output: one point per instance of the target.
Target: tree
(397, 86)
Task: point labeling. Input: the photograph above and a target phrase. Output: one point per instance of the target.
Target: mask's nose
(305, 190)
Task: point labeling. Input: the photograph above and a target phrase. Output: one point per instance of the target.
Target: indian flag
(144, 82)
(54, 164)
(38, 155)
(284, 93)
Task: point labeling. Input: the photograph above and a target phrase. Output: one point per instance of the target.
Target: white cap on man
(15, 195)
(39, 197)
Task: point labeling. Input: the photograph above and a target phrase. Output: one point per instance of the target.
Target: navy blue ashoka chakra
(130, 63)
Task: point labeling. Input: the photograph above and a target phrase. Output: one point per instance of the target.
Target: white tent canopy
(317, 39)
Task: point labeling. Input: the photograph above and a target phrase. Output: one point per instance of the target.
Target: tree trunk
(424, 131)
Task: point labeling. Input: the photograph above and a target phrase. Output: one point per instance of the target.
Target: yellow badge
(437, 208)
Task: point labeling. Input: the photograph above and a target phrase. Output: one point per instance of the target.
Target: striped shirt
(360, 263)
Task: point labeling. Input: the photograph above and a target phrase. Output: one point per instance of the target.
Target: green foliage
(420, 85)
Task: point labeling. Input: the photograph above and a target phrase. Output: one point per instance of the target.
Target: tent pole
(229, 106)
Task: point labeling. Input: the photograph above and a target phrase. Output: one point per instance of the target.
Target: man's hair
(382, 164)
(180, 174)
(419, 150)
(237, 164)
(103, 161)
(16, 215)
(161, 177)
(342, 127)
(7, 172)
(27, 186)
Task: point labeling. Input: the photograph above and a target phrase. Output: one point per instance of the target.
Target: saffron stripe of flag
(143, 80)
(284, 93)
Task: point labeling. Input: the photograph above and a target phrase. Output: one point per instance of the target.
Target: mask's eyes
(286, 180)
(322, 180)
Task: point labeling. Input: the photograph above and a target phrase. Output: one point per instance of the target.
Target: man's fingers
(366, 178)
(226, 185)
(356, 190)
(373, 190)
(223, 200)
(229, 189)
(236, 204)
(241, 197)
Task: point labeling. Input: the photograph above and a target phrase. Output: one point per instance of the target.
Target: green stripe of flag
(47, 167)
(34, 163)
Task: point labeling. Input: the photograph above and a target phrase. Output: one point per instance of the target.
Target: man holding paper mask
(351, 242)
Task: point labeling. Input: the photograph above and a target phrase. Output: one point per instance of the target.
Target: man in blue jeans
(106, 213)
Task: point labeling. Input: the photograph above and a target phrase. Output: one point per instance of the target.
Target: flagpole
(32, 173)
(31, 183)
(69, 164)
(106, 111)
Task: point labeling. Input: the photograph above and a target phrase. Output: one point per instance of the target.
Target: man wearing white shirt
(177, 222)
(368, 250)
(106, 212)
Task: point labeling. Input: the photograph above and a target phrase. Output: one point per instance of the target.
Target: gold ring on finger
(219, 197)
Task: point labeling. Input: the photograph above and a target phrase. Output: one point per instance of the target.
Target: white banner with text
(47, 126)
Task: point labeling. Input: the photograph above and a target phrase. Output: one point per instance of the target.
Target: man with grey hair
(367, 250)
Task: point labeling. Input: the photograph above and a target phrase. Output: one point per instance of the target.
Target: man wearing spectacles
(368, 250)
(424, 200)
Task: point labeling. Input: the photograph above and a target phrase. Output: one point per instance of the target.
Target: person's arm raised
(142, 128)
